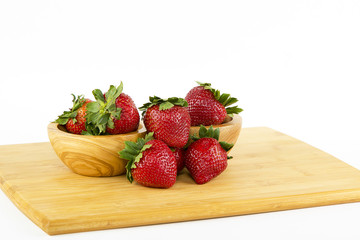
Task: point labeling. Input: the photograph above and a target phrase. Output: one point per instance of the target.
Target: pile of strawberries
(155, 160)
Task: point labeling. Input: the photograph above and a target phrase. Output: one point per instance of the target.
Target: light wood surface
(269, 172)
(95, 156)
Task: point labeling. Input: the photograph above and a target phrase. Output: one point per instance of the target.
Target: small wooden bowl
(229, 130)
(95, 156)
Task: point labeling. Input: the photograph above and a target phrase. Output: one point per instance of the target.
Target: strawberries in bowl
(112, 113)
(168, 119)
(101, 127)
(207, 106)
(104, 137)
(74, 120)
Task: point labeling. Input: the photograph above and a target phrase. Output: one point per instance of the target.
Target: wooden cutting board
(269, 172)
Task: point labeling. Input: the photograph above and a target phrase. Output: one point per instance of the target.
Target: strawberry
(129, 116)
(151, 163)
(168, 119)
(207, 106)
(74, 120)
(113, 112)
(206, 157)
(179, 154)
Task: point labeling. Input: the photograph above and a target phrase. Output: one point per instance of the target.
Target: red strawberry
(168, 119)
(151, 162)
(199, 92)
(207, 106)
(179, 154)
(74, 120)
(206, 158)
(129, 116)
(113, 112)
(206, 111)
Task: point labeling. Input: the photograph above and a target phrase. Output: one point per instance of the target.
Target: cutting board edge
(15, 197)
(55, 226)
(260, 205)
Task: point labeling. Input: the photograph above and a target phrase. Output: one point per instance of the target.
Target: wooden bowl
(95, 156)
(229, 130)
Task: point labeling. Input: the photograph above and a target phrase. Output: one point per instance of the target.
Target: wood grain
(95, 156)
(269, 172)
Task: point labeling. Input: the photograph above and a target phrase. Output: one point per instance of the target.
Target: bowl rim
(235, 120)
(55, 128)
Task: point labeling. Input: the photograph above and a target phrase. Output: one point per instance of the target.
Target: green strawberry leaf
(85, 133)
(119, 90)
(111, 92)
(148, 137)
(136, 160)
(205, 85)
(133, 153)
(207, 133)
(224, 98)
(62, 121)
(103, 112)
(146, 146)
(226, 146)
(233, 110)
(139, 156)
(229, 100)
(202, 131)
(98, 95)
(69, 114)
(194, 137)
(112, 107)
(127, 155)
(72, 113)
(110, 123)
(211, 133)
(93, 107)
(164, 104)
(116, 113)
(103, 119)
(78, 102)
(216, 134)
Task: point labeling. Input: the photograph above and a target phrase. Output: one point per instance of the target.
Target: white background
(293, 65)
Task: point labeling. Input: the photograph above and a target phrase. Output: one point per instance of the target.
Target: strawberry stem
(102, 111)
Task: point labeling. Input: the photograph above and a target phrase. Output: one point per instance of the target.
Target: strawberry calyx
(212, 133)
(100, 113)
(225, 99)
(133, 153)
(164, 104)
(72, 113)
